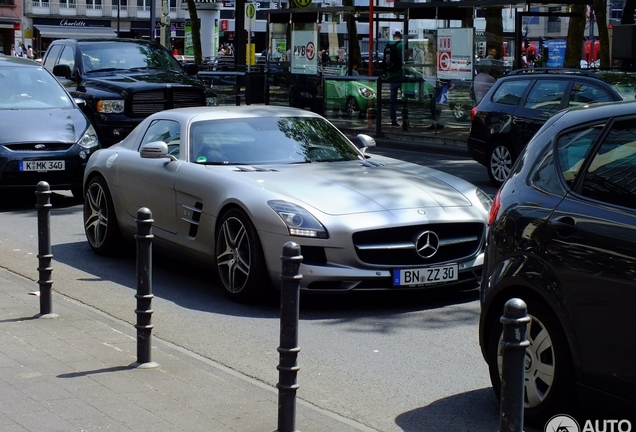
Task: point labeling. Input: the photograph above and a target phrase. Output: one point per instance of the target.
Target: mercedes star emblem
(427, 244)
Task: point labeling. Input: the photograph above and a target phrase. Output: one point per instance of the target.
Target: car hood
(51, 125)
(361, 187)
(119, 81)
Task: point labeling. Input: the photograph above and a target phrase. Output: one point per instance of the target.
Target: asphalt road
(395, 362)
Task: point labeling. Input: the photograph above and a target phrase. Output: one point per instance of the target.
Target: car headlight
(110, 106)
(484, 199)
(366, 92)
(89, 138)
(299, 221)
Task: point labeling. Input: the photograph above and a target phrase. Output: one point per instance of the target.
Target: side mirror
(80, 102)
(62, 70)
(191, 68)
(363, 142)
(156, 150)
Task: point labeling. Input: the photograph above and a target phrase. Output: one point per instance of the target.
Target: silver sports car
(229, 186)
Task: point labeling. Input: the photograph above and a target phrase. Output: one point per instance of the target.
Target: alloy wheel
(96, 215)
(500, 163)
(233, 255)
(539, 364)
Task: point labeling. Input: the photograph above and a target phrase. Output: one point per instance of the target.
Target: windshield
(31, 88)
(113, 55)
(265, 140)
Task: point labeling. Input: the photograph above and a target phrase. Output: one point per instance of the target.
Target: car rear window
(572, 149)
(546, 95)
(585, 93)
(611, 176)
(510, 92)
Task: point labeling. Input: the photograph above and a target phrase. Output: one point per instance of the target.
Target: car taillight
(473, 112)
(494, 208)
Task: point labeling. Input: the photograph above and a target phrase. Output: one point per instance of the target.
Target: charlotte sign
(455, 53)
(304, 59)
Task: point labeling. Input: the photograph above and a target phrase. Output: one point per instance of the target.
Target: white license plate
(52, 165)
(425, 276)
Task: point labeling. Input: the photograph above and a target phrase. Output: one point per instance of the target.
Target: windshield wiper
(105, 70)
(140, 68)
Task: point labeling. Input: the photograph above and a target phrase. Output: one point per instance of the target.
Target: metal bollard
(514, 343)
(43, 205)
(144, 289)
(288, 349)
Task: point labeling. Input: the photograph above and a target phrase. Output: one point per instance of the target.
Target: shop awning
(58, 32)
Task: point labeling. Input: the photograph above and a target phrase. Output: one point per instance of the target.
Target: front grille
(32, 147)
(145, 103)
(396, 246)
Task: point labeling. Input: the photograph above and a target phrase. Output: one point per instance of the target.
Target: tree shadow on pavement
(473, 411)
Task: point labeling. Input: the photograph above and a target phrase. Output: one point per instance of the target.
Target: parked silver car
(229, 186)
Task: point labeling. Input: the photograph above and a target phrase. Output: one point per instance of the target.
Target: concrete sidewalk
(72, 373)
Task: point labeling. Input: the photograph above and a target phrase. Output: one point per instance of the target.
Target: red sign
(225, 25)
(310, 50)
(16, 26)
(444, 61)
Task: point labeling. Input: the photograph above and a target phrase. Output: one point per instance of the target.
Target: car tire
(460, 112)
(549, 372)
(499, 162)
(100, 221)
(351, 106)
(240, 261)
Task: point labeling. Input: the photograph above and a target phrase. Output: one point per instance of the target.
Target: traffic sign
(303, 3)
(250, 16)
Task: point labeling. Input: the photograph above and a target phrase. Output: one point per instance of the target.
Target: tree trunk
(196, 32)
(576, 28)
(628, 12)
(494, 30)
(468, 21)
(600, 12)
(353, 50)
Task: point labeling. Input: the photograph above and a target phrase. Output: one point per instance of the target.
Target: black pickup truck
(123, 81)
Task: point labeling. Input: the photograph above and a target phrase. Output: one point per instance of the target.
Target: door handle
(564, 226)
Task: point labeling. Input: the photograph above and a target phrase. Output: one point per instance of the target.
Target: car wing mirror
(191, 68)
(363, 142)
(156, 150)
(62, 70)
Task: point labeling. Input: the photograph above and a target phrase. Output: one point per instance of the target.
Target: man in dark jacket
(395, 75)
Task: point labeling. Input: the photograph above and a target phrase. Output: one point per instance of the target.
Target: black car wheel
(351, 106)
(549, 377)
(100, 222)
(500, 160)
(460, 112)
(239, 258)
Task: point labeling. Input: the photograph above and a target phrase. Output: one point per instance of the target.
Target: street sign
(250, 16)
